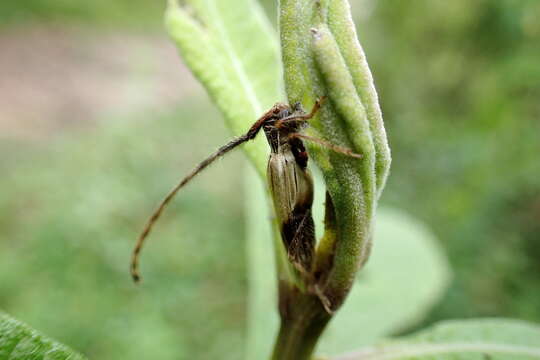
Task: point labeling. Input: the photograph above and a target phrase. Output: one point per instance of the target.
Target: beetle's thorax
(278, 136)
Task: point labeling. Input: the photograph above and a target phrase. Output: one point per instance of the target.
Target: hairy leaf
(322, 57)
(20, 342)
(232, 49)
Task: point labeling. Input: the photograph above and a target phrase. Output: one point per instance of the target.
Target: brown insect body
(291, 186)
(290, 182)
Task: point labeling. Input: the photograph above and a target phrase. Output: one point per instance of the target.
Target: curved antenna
(157, 213)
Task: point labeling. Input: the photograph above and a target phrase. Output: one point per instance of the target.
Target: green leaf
(231, 48)
(393, 291)
(493, 339)
(20, 342)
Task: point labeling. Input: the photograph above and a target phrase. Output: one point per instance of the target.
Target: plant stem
(303, 319)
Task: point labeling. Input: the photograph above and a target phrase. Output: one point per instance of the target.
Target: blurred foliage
(459, 84)
(71, 210)
(105, 13)
(487, 339)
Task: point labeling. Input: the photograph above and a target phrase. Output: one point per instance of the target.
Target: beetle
(290, 182)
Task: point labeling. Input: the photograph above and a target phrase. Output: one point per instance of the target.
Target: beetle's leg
(333, 147)
(325, 301)
(304, 117)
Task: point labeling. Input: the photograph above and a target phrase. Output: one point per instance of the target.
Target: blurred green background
(98, 118)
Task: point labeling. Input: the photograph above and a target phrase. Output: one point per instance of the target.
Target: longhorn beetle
(291, 185)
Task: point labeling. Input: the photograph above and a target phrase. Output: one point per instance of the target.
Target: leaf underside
(485, 339)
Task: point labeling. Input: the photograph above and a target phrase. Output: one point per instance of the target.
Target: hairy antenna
(155, 216)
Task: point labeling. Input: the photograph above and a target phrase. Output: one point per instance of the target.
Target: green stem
(303, 320)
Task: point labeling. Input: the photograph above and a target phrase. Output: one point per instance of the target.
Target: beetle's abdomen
(291, 187)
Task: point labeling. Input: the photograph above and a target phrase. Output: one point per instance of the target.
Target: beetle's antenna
(333, 147)
(155, 216)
